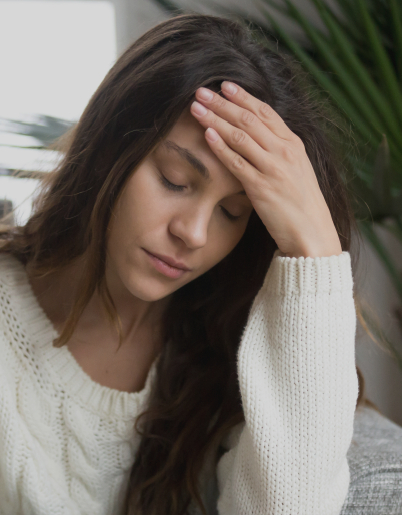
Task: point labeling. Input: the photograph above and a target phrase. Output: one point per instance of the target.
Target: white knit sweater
(67, 443)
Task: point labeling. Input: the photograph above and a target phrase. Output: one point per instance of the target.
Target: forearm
(298, 381)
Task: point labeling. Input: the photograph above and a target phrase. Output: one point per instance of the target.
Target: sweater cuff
(307, 275)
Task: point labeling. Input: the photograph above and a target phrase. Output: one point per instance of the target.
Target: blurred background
(55, 53)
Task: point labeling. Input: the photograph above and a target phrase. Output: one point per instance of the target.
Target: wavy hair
(195, 399)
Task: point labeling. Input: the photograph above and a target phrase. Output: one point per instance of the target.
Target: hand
(270, 161)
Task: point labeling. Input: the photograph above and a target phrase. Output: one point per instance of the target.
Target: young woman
(189, 263)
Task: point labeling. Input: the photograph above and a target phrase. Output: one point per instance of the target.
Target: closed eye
(175, 187)
(170, 186)
(230, 216)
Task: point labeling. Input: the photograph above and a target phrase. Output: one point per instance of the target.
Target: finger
(247, 174)
(264, 111)
(242, 118)
(235, 138)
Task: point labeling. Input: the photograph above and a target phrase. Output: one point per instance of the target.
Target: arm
(298, 383)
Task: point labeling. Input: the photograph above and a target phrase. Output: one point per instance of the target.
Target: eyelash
(175, 187)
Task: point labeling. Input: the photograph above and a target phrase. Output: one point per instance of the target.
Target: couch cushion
(375, 464)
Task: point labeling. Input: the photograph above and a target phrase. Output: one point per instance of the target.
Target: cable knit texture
(67, 443)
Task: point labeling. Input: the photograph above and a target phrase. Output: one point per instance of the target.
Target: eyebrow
(194, 162)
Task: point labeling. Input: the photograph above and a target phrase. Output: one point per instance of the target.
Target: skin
(255, 152)
(277, 176)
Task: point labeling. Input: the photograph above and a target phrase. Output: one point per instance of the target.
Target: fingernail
(198, 108)
(205, 94)
(211, 134)
(229, 87)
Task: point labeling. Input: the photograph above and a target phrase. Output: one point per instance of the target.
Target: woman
(240, 356)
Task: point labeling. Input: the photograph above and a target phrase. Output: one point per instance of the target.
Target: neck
(56, 294)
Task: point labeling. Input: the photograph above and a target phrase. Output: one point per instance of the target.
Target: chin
(148, 289)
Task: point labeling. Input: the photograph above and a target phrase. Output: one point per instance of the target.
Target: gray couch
(375, 465)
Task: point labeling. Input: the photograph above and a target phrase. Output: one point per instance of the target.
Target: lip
(170, 261)
(164, 268)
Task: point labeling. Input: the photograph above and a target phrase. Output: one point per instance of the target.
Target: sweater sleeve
(299, 387)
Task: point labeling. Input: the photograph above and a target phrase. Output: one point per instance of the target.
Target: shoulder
(11, 275)
(19, 312)
(11, 270)
(375, 464)
(13, 283)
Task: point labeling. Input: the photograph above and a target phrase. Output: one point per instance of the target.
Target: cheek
(136, 212)
(142, 216)
(222, 242)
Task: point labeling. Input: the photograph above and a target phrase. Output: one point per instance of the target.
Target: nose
(191, 225)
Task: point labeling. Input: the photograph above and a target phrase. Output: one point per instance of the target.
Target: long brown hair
(195, 399)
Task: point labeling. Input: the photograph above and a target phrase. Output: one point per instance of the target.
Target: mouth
(165, 267)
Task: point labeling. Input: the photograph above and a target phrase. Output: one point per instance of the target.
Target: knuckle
(255, 183)
(237, 163)
(238, 137)
(213, 120)
(221, 146)
(218, 101)
(288, 154)
(275, 172)
(265, 111)
(298, 142)
(241, 94)
(247, 118)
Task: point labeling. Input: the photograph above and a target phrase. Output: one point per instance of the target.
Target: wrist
(334, 249)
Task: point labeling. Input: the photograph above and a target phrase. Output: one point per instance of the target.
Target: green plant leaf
(357, 71)
(385, 70)
(46, 129)
(366, 134)
(396, 16)
(349, 8)
(328, 85)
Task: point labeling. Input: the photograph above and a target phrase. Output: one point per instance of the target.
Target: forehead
(186, 142)
(189, 133)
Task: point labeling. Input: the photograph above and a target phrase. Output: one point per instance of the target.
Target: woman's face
(190, 222)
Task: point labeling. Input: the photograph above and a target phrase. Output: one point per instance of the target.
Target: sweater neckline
(62, 365)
